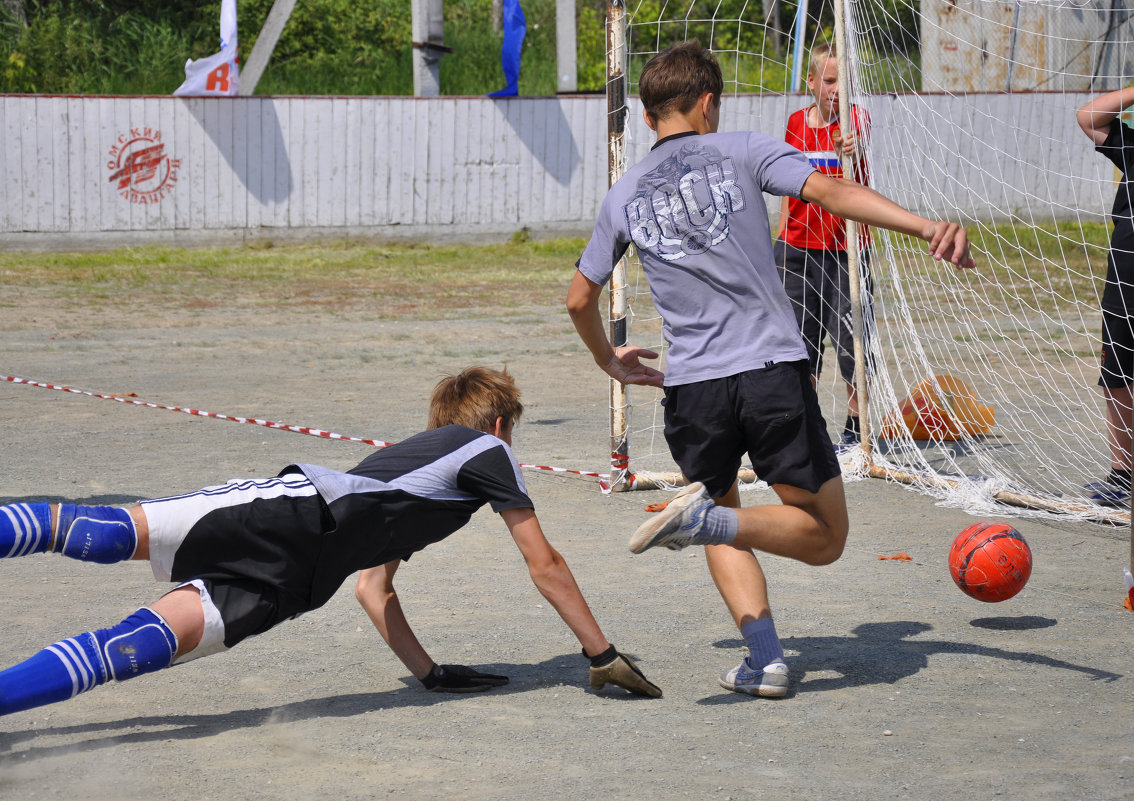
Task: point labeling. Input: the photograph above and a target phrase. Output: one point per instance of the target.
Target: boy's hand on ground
(949, 242)
(460, 679)
(626, 367)
(611, 667)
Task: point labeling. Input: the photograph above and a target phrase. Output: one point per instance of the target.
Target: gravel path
(903, 687)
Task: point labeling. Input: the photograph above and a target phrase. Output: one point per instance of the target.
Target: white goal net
(985, 387)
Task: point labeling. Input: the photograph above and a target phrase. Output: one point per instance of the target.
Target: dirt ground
(902, 686)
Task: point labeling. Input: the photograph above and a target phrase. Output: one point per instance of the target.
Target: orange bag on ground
(942, 408)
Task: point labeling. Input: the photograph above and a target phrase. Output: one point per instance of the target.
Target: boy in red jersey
(810, 246)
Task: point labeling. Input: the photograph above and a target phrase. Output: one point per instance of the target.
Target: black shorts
(818, 284)
(772, 414)
(255, 547)
(1117, 357)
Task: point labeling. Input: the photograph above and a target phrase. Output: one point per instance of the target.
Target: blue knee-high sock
(763, 642)
(142, 643)
(25, 528)
(56, 673)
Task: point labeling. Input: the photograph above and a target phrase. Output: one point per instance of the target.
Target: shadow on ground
(883, 653)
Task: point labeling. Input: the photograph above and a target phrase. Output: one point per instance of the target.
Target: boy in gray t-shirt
(737, 378)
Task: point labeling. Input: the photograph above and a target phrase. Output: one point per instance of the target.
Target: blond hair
(819, 55)
(476, 397)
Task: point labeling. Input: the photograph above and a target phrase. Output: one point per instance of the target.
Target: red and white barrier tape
(314, 432)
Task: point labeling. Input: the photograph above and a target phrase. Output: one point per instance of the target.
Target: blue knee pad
(142, 643)
(103, 534)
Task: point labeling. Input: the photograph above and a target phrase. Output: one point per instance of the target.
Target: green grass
(395, 279)
(1063, 263)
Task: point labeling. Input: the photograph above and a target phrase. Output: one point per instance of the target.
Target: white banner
(217, 74)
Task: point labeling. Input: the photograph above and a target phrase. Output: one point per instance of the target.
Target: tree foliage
(364, 46)
(327, 47)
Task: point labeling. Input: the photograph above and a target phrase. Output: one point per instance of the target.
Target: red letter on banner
(218, 79)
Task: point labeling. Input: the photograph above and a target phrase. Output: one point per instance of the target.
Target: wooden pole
(1020, 499)
(565, 46)
(253, 69)
(846, 124)
(616, 130)
(427, 20)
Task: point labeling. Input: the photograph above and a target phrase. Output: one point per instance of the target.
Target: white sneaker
(678, 524)
(771, 682)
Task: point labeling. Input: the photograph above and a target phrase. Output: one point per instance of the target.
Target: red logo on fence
(139, 167)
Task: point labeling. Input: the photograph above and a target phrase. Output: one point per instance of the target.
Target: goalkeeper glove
(460, 679)
(611, 667)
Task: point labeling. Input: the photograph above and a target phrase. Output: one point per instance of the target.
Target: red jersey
(808, 225)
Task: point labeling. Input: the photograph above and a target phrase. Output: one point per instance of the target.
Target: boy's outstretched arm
(553, 579)
(375, 591)
(619, 363)
(843, 198)
(1096, 116)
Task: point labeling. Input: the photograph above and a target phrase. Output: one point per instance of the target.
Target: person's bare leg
(142, 530)
(852, 399)
(814, 530)
(740, 580)
(185, 616)
(1119, 402)
(810, 527)
(737, 574)
(807, 526)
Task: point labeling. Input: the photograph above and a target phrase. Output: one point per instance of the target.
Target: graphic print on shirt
(825, 161)
(680, 208)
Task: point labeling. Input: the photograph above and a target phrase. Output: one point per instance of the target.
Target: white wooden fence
(91, 171)
(86, 170)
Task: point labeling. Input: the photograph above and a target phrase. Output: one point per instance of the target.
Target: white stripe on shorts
(170, 519)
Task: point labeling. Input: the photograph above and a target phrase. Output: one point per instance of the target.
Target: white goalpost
(984, 390)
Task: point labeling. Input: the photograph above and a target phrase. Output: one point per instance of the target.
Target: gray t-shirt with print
(694, 211)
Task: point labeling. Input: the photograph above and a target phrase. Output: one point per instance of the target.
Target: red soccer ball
(990, 561)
